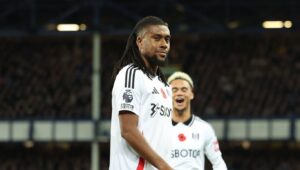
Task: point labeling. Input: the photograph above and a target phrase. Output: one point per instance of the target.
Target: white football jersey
(191, 141)
(151, 100)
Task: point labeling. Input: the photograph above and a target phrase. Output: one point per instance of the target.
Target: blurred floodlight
(68, 27)
(277, 24)
(288, 24)
(51, 27)
(28, 144)
(82, 27)
(233, 24)
(246, 145)
(272, 24)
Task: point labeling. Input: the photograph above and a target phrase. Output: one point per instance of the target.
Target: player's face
(154, 44)
(182, 94)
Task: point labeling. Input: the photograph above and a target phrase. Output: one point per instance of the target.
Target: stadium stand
(239, 70)
(236, 76)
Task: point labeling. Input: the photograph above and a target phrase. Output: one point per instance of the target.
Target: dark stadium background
(55, 86)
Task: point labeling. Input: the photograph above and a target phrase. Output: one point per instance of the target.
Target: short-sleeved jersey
(191, 141)
(151, 101)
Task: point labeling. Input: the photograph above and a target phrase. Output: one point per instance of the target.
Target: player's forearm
(140, 145)
(219, 164)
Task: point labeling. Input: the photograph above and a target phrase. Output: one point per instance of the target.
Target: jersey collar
(187, 122)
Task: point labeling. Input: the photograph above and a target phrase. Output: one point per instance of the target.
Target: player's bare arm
(129, 131)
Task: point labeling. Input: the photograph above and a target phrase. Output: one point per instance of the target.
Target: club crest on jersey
(127, 96)
(195, 136)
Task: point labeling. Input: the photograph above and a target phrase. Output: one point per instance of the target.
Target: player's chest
(186, 144)
(157, 100)
(185, 138)
(156, 91)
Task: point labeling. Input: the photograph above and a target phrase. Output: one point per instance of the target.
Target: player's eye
(167, 39)
(184, 89)
(174, 90)
(156, 38)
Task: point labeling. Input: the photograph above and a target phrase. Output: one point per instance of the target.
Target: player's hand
(165, 167)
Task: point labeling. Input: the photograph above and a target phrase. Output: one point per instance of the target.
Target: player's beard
(154, 61)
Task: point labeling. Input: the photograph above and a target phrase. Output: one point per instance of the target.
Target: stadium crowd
(235, 75)
(246, 75)
(45, 156)
(45, 78)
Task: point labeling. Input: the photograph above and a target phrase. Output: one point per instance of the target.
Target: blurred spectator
(76, 156)
(45, 78)
(45, 156)
(237, 75)
(246, 75)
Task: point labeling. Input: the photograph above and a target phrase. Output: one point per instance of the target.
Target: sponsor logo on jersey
(155, 91)
(127, 96)
(184, 153)
(160, 109)
(125, 106)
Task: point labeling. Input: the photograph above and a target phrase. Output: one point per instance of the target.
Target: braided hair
(132, 53)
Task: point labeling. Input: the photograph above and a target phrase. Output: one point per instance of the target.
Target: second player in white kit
(192, 138)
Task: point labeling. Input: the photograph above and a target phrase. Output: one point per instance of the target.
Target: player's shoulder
(128, 70)
(200, 122)
(130, 76)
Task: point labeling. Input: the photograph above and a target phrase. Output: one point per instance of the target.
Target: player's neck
(151, 68)
(181, 116)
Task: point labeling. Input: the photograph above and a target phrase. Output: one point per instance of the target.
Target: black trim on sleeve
(130, 76)
(126, 75)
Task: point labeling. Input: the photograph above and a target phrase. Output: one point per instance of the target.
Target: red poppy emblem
(181, 137)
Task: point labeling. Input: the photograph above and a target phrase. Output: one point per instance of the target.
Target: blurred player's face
(154, 44)
(182, 96)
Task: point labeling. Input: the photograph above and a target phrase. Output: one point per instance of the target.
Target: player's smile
(180, 104)
(180, 101)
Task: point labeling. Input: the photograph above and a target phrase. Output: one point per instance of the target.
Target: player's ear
(192, 95)
(139, 41)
